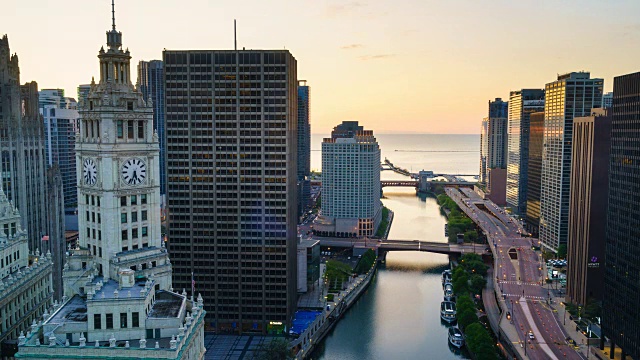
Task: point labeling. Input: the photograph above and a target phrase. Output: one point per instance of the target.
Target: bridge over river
(384, 246)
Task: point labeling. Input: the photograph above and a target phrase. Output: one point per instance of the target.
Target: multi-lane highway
(518, 271)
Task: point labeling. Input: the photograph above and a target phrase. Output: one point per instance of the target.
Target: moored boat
(448, 292)
(456, 338)
(448, 311)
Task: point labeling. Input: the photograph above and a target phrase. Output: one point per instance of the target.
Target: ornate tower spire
(113, 15)
(114, 38)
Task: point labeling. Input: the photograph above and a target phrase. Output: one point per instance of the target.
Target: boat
(456, 338)
(448, 311)
(448, 292)
(446, 276)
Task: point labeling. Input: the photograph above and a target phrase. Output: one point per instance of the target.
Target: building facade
(521, 104)
(607, 100)
(572, 95)
(620, 320)
(493, 139)
(231, 124)
(117, 280)
(26, 284)
(534, 171)
(61, 120)
(151, 83)
(588, 206)
(304, 148)
(351, 190)
(83, 91)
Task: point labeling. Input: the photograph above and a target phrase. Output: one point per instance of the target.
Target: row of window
(124, 323)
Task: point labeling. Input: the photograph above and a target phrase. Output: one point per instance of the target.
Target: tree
(471, 236)
(562, 251)
(467, 317)
(477, 283)
(276, 349)
(479, 342)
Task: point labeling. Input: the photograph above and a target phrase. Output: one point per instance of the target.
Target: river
(399, 315)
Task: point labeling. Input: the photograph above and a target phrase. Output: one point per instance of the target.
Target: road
(520, 278)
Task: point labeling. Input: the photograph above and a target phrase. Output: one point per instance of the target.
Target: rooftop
(167, 305)
(302, 320)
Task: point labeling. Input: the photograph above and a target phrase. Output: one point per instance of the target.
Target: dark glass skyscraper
(521, 104)
(151, 82)
(304, 147)
(534, 171)
(231, 124)
(621, 318)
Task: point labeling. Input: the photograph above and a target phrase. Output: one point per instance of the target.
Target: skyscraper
(534, 171)
(231, 124)
(572, 95)
(117, 280)
(607, 100)
(588, 207)
(61, 119)
(521, 104)
(493, 139)
(351, 190)
(22, 145)
(83, 91)
(620, 318)
(304, 148)
(151, 82)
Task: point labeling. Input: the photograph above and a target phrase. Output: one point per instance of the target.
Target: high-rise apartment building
(588, 207)
(572, 95)
(83, 92)
(607, 100)
(117, 280)
(231, 124)
(61, 120)
(304, 148)
(151, 83)
(521, 104)
(620, 318)
(351, 189)
(22, 145)
(534, 171)
(493, 139)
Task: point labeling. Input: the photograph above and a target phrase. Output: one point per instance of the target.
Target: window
(100, 235)
(134, 233)
(98, 200)
(140, 129)
(123, 201)
(144, 231)
(130, 129)
(97, 321)
(93, 200)
(129, 105)
(134, 216)
(144, 215)
(100, 251)
(123, 320)
(143, 199)
(123, 218)
(120, 128)
(134, 200)
(99, 219)
(109, 321)
(125, 235)
(135, 319)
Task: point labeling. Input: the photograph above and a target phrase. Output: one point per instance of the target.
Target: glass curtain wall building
(620, 320)
(493, 139)
(304, 147)
(231, 124)
(572, 95)
(534, 171)
(521, 104)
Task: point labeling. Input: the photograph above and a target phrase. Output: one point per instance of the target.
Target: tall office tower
(22, 145)
(231, 123)
(588, 207)
(119, 275)
(534, 171)
(83, 91)
(304, 148)
(55, 239)
(521, 104)
(151, 83)
(351, 183)
(572, 95)
(25, 280)
(607, 100)
(620, 318)
(493, 139)
(61, 119)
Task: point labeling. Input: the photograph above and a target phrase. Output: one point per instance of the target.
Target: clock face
(134, 171)
(89, 171)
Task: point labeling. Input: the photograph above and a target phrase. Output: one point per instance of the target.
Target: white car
(531, 337)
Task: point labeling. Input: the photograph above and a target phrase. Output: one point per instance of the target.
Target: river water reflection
(399, 315)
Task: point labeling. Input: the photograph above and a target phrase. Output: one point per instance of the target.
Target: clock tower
(117, 153)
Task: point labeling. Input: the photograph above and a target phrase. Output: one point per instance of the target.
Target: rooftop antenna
(235, 37)
(113, 14)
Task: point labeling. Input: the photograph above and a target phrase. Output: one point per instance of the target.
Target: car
(531, 337)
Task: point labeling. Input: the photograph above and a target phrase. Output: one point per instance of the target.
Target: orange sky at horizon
(419, 66)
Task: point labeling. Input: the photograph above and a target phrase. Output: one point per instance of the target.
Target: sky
(397, 66)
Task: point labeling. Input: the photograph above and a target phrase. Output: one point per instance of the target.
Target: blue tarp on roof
(302, 319)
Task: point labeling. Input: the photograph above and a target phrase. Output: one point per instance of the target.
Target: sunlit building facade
(534, 171)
